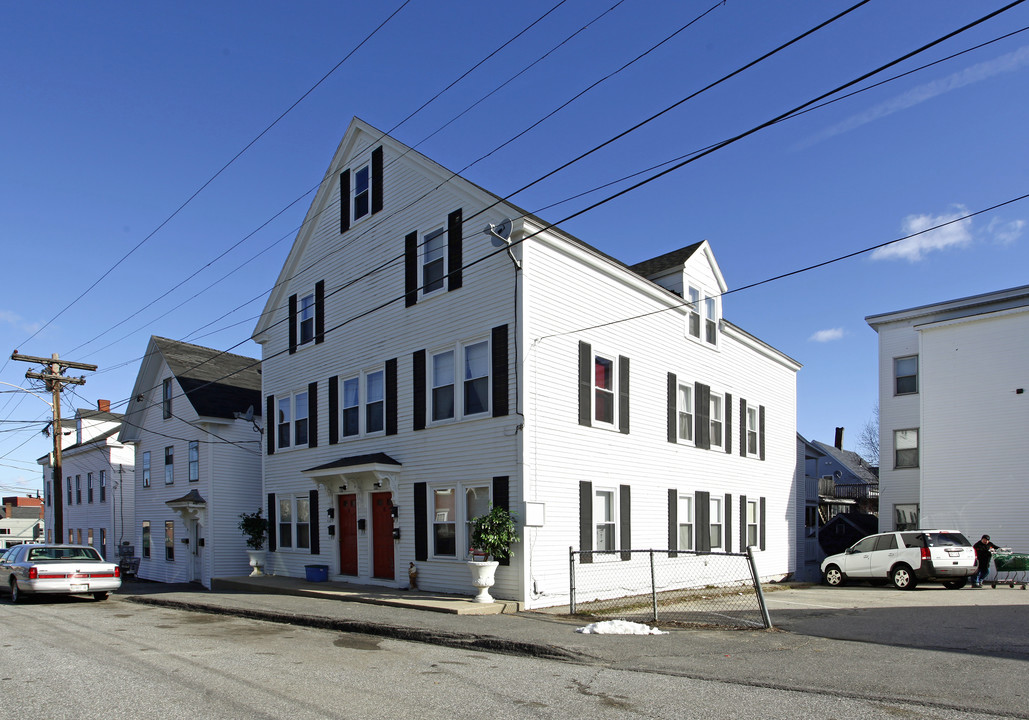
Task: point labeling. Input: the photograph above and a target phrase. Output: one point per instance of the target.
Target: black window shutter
(625, 520)
(391, 396)
(728, 522)
(702, 512)
(333, 409)
(411, 269)
(377, 179)
(743, 523)
(344, 201)
(673, 522)
(623, 394)
(702, 414)
(743, 428)
(269, 423)
(273, 525)
(728, 424)
(673, 409)
(585, 384)
(292, 324)
(761, 432)
(498, 347)
(316, 546)
(421, 522)
(761, 524)
(454, 250)
(585, 521)
(312, 415)
(502, 499)
(319, 312)
(418, 373)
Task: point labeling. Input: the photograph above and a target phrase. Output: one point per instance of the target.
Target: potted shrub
(255, 529)
(492, 535)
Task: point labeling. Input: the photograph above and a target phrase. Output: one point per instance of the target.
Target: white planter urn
(257, 558)
(483, 573)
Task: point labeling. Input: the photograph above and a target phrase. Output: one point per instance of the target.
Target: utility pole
(54, 380)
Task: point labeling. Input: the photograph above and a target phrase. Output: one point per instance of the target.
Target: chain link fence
(677, 588)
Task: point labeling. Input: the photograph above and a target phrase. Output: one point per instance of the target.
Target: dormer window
(702, 306)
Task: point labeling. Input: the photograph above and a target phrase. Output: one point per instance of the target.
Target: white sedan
(57, 569)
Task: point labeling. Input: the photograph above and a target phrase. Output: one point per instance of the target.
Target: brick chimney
(103, 405)
(839, 438)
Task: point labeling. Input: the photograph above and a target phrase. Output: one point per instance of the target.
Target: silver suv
(905, 559)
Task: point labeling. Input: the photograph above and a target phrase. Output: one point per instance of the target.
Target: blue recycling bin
(317, 573)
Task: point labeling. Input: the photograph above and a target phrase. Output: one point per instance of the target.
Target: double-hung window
(444, 524)
(166, 398)
(146, 539)
(715, 520)
(103, 486)
(295, 522)
(169, 539)
(693, 311)
(905, 373)
(715, 420)
(604, 519)
(476, 503)
(69, 489)
(374, 401)
(685, 410)
(362, 192)
(146, 469)
(434, 259)
(685, 520)
(306, 318)
(291, 420)
(905, 448)
(443, 386)
(476, 378)
(194, 460)
(752, 430)
(604, 389)
(351, 407)
(169, 465)
(702, 314)
(89, 487)
(78, 489)
(752, 523)
(450, 399)
(711, 320)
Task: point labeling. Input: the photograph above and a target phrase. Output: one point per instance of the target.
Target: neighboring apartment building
(98, 484)
(419, 368)
(953, 410)
(21, 520)
(198, 462)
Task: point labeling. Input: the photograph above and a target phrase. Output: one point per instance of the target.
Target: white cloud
(827, 335)
(976, 73)
(17, 321)
(956, 233)
(1005, 233)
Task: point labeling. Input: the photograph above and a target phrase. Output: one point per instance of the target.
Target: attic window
(700, 303)
(166, 398)
(362, 192)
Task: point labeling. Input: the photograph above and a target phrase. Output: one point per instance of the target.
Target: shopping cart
(1014, 566)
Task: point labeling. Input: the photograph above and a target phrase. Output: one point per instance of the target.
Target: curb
(468, 641)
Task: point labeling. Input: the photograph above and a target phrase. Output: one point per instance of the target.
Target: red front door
(348, 534)
(382, 536)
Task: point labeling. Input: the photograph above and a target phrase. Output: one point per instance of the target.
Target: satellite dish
(838, 474)
(500, 234)
(248, 415)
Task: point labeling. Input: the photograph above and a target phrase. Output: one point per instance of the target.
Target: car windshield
(58, 554)
(943, 539)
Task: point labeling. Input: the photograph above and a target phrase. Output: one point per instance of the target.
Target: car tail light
(117, 571)
(33, 573)
(925, 554)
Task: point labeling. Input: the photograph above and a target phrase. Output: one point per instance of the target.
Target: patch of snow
(618, 627)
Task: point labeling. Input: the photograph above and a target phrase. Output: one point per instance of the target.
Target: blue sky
(116, 113)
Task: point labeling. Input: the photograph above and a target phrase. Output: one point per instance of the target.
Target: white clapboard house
(194, 418)
(417, 369)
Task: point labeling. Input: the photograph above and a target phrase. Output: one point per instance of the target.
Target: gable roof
(217, 384)
(673, 259)
(850, 460)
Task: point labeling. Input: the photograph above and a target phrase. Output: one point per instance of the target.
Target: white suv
(904, 558)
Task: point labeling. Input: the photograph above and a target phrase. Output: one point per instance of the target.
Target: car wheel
(955, 584)
(100, 596)
(833, 576)
(15, 592)
(903, 578)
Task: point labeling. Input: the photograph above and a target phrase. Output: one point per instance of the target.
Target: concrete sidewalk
(766, 658)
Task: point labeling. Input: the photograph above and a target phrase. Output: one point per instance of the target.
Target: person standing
(984, 550)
